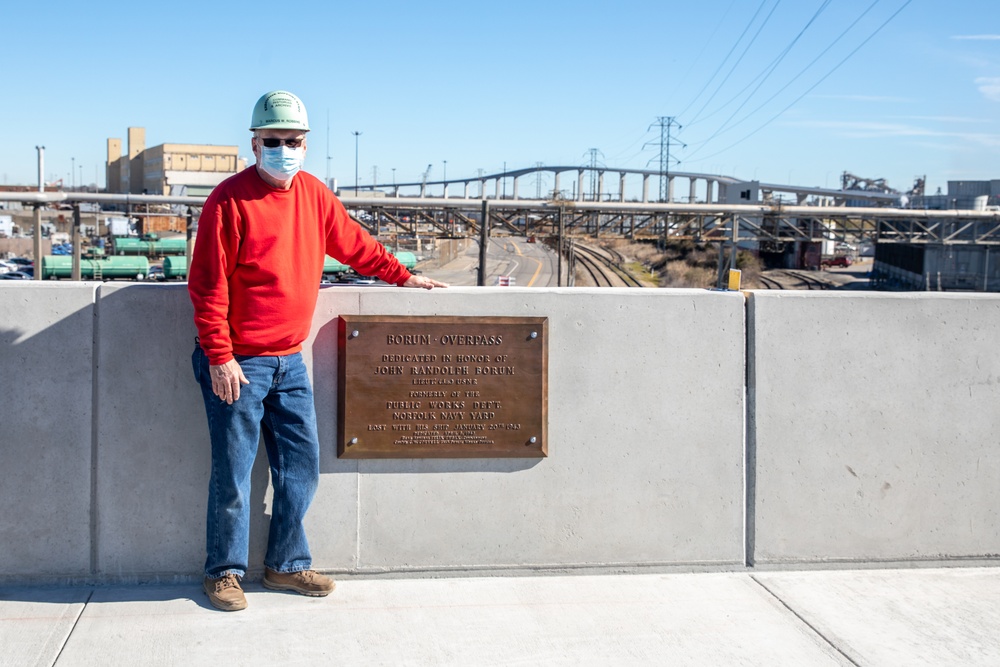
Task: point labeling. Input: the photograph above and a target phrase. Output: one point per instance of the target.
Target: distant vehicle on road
(15, 275)
(353, 279)
(839, 260)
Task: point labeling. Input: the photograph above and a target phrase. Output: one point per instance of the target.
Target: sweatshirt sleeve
(212, 264)
(348, 243)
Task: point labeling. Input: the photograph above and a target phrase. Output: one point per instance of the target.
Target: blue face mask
(281, 163)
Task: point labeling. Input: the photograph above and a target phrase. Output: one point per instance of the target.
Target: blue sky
(764, 89)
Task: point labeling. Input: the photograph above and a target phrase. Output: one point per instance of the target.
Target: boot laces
(225, 582)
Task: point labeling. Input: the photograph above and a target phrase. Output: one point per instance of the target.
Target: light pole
(356, 135)
(72, 173)
(444, 178)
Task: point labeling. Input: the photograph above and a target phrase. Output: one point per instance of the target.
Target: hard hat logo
(279, 110)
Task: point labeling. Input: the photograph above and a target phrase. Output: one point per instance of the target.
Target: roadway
(529, 264)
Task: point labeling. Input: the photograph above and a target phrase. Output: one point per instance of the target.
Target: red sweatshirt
(258, 261)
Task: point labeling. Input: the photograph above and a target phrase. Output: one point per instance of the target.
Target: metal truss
(765, 223)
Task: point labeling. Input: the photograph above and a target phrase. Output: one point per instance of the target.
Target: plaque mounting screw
(353, 441)
(532, 439)
(355, 333)
(534, 334)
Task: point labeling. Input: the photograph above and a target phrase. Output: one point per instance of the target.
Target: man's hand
(226, 380)
(421, 281)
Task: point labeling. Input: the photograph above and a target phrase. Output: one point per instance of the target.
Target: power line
(745, 118)
(704, 45)
(815, 85)
(738, 61)
(766, 73)
(721, 64)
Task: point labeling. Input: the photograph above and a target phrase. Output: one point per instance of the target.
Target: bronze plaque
(442, 387)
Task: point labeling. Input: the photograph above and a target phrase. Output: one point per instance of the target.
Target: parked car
(15, 275)
(839, 260)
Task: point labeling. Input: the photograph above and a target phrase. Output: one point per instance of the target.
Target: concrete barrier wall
(875, 430)
(46, 421)
(869, 434)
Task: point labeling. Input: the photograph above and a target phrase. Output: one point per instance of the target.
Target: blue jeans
(279, 398)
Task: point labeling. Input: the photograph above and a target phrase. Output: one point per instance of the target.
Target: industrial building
(962, 195)
(168, 169)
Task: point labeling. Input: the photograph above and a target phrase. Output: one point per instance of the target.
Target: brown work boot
(225, 593)
(307, 582)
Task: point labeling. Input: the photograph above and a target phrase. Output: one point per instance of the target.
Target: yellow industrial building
(178, 169)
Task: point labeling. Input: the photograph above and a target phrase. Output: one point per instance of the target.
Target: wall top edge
(771, 295)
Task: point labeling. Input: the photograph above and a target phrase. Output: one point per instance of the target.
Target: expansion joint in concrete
(94, 432)
(805, 622)
(749, 435)
(69, 634)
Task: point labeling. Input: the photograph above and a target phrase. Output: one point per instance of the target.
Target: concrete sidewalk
(846, 617)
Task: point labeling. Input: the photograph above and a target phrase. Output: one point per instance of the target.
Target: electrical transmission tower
(593, 153)
(666, 124)
(538, 181)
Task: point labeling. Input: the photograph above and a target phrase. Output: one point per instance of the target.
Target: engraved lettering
(448, 405)
(414, 416)
(408, 339)
(470, 339)
(439, 370)
(472, 358)
(441, 386)
(403, 405)
(494, 370)
(409, 358)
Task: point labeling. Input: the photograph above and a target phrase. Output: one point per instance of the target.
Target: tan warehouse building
(190, 169)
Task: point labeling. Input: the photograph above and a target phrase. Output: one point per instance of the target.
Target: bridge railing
(687, 429)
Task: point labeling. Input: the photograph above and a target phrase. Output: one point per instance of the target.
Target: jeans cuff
(220, 575)
(291, 570)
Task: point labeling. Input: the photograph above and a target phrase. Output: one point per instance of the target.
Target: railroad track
(770, 283)
(605, 267)
(789, 279)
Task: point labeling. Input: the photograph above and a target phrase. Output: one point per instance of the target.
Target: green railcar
(61, 266)
(330, 265)
(407, 259)
(149, 246)
(175, 267)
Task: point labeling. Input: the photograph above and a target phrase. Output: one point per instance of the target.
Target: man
(254, 280)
